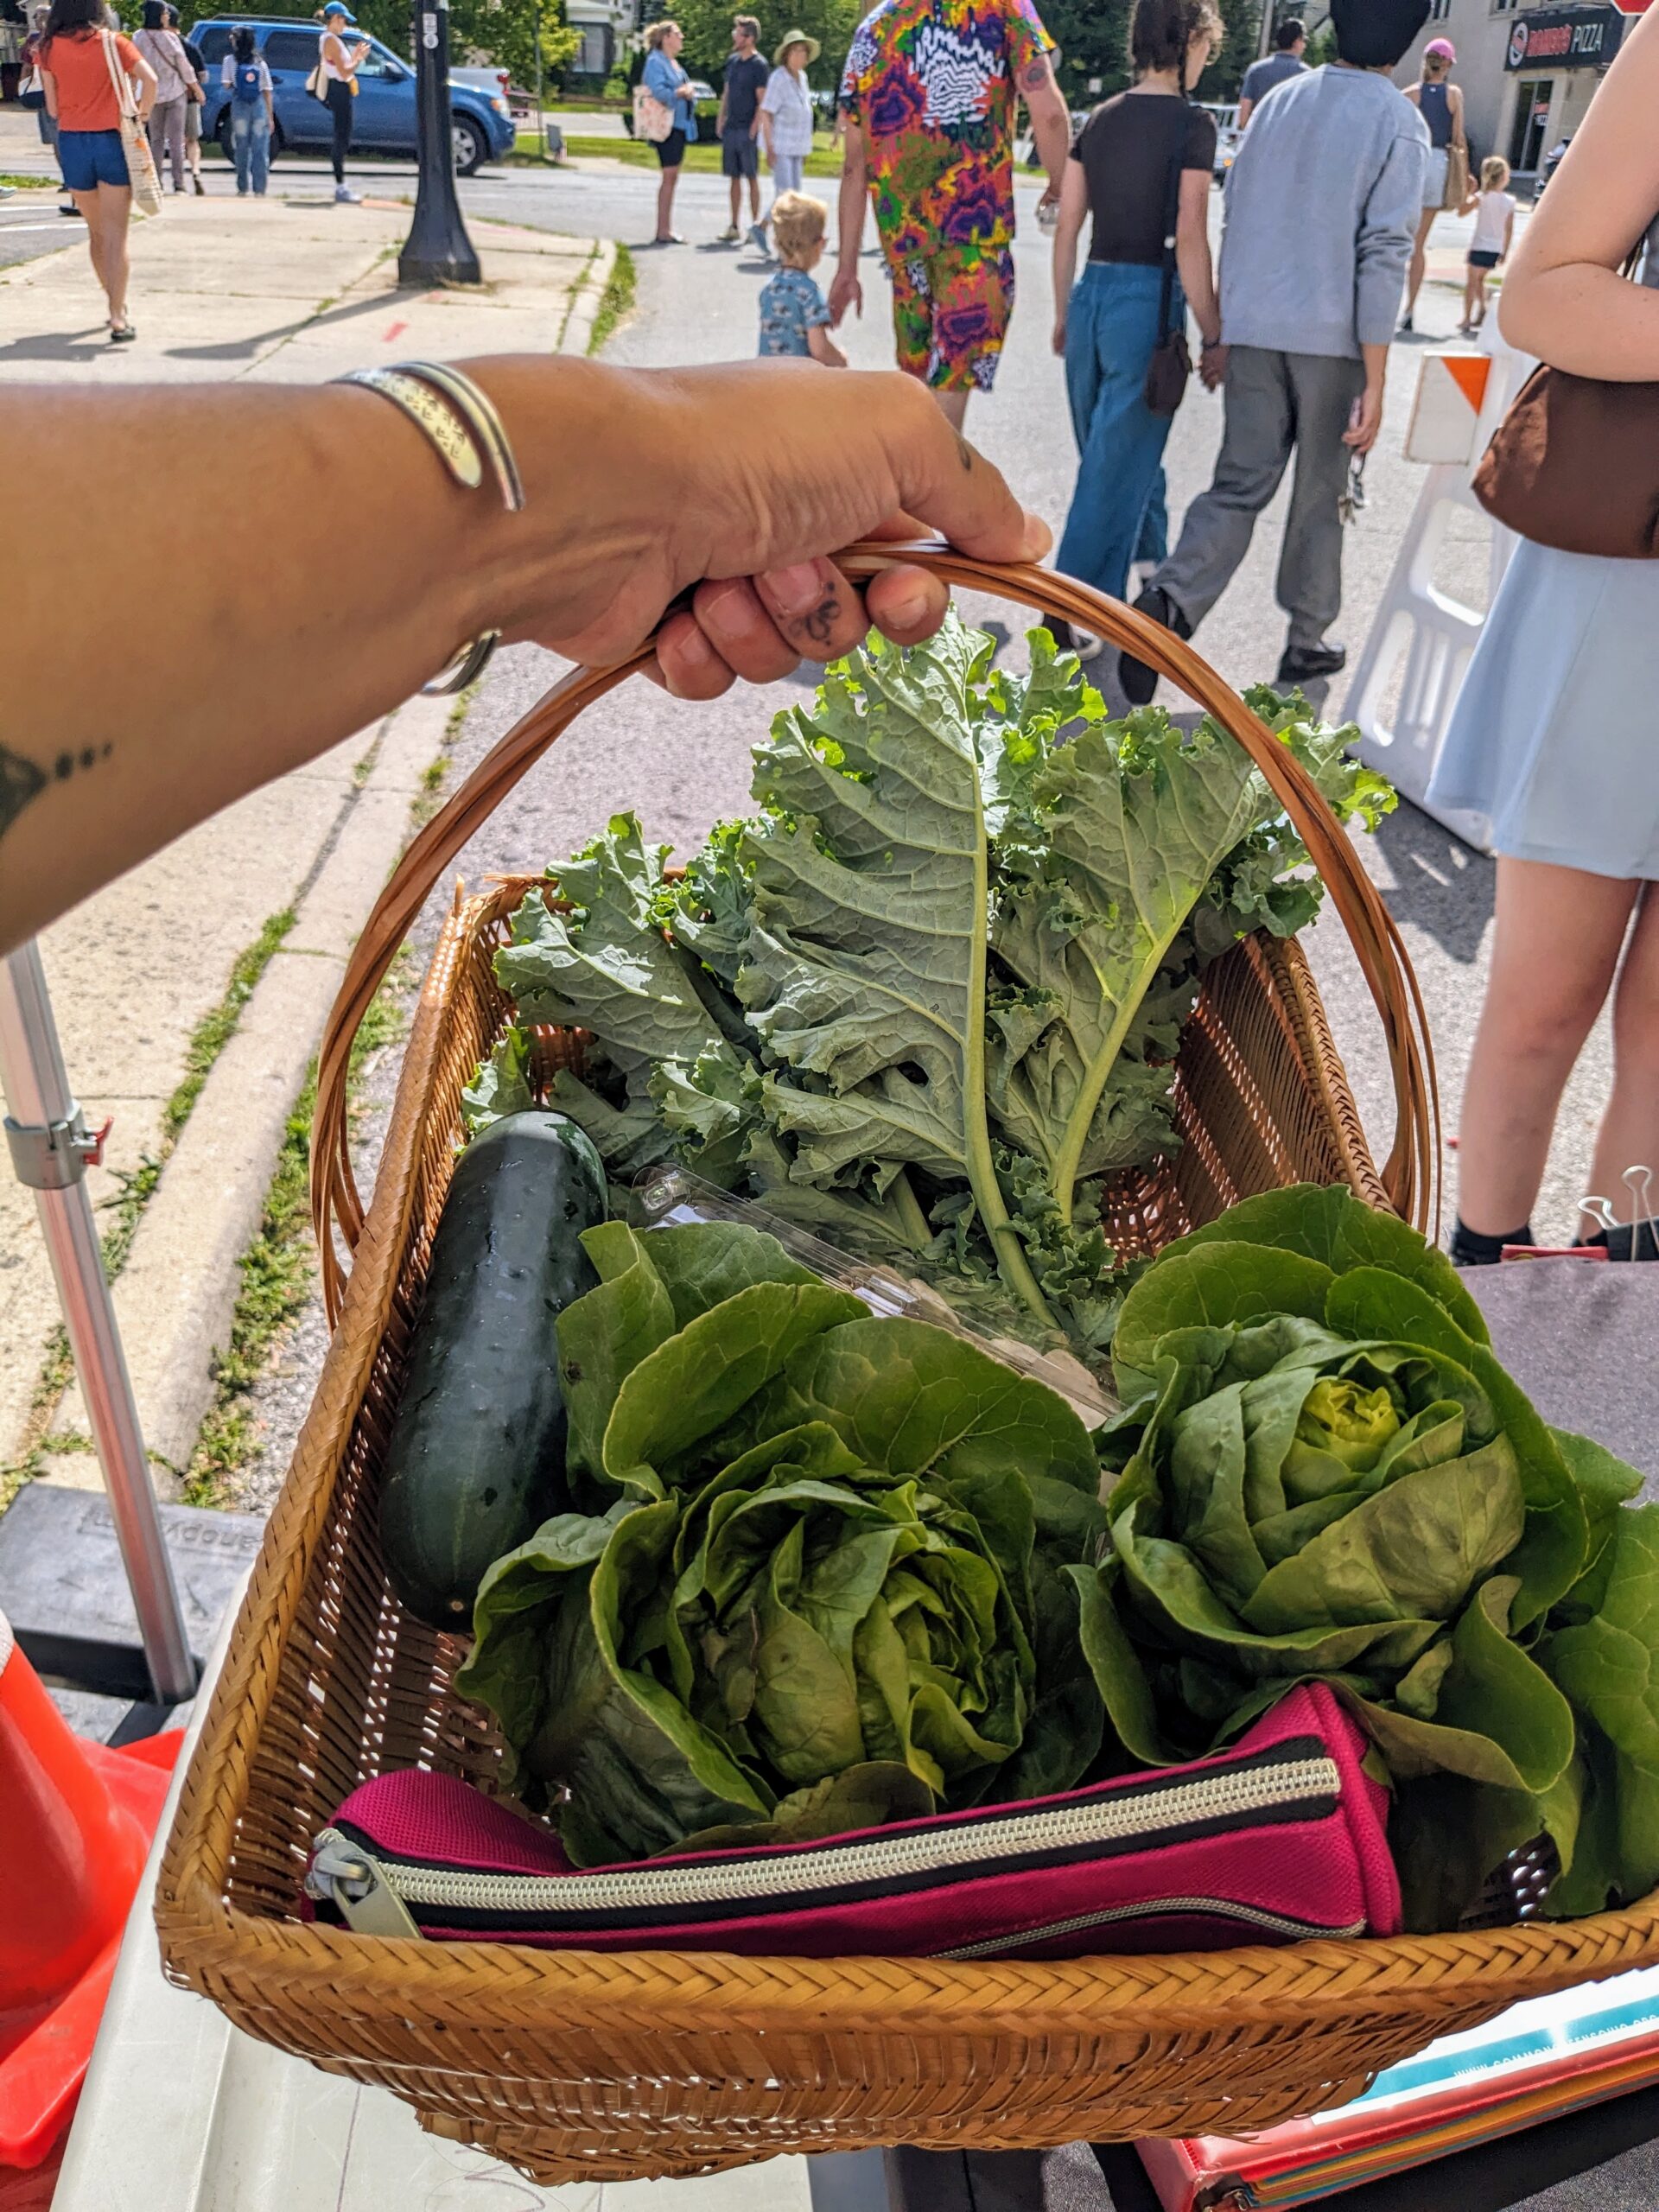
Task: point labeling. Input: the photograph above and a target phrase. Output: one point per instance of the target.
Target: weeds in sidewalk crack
(136, 1186)
(279, 1267)
(616, 300)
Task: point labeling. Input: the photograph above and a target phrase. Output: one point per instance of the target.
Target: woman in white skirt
(1555, 737)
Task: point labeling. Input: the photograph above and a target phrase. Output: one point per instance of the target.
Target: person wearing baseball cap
(1441, 102)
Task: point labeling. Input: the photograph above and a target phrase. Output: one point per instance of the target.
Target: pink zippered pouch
(1279, 1838)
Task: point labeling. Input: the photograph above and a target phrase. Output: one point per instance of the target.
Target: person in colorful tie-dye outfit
(928, 95)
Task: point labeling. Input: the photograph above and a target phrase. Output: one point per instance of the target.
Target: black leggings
(339, 106)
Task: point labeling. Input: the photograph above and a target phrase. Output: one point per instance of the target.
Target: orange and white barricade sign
(1412, 666)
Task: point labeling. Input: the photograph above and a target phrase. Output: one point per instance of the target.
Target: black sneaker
(1306, 664)
(1138, 681)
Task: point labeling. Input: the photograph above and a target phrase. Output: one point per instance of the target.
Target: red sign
(1632, 7)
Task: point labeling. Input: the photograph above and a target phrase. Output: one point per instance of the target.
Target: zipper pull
(341, 1875)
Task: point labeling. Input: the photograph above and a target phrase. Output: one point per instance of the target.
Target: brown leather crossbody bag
(1575, 465)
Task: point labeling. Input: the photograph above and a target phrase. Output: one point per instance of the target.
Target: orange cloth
(86, 97)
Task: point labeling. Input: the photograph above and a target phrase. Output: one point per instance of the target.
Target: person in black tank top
(1441, 102)
(1138, 157)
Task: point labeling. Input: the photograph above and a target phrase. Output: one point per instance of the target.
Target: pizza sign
(1568, 38)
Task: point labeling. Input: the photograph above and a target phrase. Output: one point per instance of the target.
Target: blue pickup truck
(481, 124)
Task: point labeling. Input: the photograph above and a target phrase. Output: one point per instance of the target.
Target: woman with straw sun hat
(786, 121)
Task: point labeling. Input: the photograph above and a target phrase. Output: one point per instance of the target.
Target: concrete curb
(586, 299)
(175, 1297)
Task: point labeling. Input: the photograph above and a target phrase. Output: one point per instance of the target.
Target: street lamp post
(437, 250)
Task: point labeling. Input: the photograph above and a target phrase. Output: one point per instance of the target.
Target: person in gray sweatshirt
(1322, 206)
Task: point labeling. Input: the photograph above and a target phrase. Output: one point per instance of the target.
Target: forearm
(114, 762)
(1585, 320)
(1376, 359)
(849, 209)
(1051, 127)
(1197, 276)
(1068, 236)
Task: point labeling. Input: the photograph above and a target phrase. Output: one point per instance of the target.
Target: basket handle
(1411, 1173)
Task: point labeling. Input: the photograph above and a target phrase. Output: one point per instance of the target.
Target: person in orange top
(80, 65)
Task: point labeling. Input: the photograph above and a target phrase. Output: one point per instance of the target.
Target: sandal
(124, 335)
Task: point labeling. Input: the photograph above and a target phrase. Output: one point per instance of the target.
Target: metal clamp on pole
(50, 1155)
(52, 1147)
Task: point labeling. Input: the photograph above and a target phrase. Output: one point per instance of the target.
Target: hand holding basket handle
(1410, 1174)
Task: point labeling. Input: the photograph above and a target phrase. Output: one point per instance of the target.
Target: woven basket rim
(212, 1945)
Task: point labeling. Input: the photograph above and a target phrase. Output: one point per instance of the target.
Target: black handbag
(1172, 361)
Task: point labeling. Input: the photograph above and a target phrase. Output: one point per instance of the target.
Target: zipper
(1249, 1916)
(356, 1881)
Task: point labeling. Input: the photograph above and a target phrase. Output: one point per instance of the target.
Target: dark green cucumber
(476, 1461)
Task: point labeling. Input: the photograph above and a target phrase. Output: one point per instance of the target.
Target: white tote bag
(134, 144)
(651, 120)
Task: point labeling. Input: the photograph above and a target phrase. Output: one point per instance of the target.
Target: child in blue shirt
(793, 317)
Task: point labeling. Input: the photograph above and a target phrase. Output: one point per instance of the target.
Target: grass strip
(279, 1268)
(137, 1186)
(702, 160)
(617, 300)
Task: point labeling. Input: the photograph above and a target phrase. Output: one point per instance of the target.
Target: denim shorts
(739, 153)
(89, 158)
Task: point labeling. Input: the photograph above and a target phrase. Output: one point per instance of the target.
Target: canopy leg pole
(50, 1147)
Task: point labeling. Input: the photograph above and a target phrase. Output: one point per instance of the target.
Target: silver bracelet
(461, 423)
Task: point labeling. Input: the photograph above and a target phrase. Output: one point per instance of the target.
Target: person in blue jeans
(253, 115)
(1136, 155)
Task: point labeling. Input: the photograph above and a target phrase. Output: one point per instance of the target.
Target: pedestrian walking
(1321, 204)
(253, 114)
(165, 53)
(787, 119)
(1549, 738)
(794, 318)
(32, 93)
(1493, 207)
(337, 64)
(1139, 171)
(1441, 104)
(82, 65)
(14, 29)
(737, 123)
(669, 85)
(930, 93)
(1289, 44)
(196, 97)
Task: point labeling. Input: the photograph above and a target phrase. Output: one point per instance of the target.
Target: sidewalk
(295, 289)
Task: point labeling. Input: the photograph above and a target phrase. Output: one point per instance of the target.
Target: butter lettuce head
(822, 1580)
(1325, 1473)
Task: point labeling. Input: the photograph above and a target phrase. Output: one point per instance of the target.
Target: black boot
(1139, 682)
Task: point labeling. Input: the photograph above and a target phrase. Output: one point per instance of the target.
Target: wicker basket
(628, 2064)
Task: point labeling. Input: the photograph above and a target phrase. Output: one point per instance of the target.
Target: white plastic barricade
(1461, 398)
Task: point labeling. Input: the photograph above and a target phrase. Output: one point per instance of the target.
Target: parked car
(481, 127)
(1228, 134)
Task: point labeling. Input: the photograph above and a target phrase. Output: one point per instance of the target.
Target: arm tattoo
(1036, 75)
(21, 781)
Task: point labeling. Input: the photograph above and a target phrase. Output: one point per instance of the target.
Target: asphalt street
(683, 766)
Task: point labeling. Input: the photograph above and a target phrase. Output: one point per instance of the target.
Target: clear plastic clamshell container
(674, 1196)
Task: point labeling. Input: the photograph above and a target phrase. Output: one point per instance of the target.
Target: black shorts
(670, 151)
(1485, 258)
(739, 153)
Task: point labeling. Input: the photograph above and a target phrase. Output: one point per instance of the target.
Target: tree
(498, 31)
(1239, 47)
(707, 28)
(1093, 37)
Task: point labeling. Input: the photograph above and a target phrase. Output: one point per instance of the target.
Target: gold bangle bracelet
(461, 425)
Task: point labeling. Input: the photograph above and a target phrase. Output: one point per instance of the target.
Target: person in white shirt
(1493, 207)
(786, 122)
